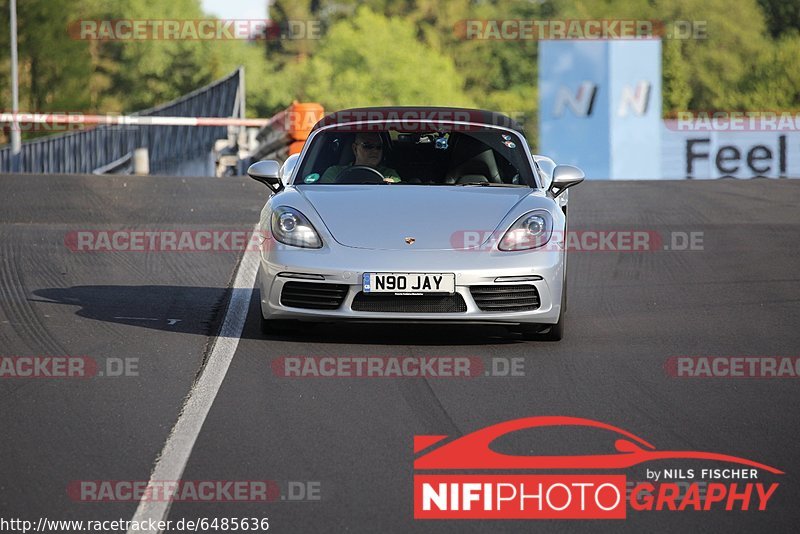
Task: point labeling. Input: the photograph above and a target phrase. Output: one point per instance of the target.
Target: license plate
(409, 283)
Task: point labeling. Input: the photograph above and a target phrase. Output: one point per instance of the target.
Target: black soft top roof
(400, 114)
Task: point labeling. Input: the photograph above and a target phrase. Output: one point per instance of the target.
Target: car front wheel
(547, 332)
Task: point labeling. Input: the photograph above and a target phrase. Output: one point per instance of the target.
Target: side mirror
(288, 168)
(565, 176)
(267, 172)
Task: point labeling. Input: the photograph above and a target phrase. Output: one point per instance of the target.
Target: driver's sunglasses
(371, 146)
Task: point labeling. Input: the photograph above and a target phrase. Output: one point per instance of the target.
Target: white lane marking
(178, 447)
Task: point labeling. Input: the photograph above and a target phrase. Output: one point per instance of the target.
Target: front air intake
(505, 298)
(313, 296)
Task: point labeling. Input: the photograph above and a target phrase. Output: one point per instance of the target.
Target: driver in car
(368, 149)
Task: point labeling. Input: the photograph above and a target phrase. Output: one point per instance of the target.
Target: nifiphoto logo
(457, 478)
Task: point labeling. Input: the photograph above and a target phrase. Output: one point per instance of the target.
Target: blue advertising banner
(600, 106)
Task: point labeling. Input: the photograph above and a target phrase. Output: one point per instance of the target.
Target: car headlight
(532, 230)
(291, 227)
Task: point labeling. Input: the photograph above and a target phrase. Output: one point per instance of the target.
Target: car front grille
(409, 303)
(505, 298)
(313, 296)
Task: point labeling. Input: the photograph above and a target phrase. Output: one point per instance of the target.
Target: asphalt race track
(351, 438)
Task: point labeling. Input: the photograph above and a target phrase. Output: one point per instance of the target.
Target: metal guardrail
(123, 165)
(92, 150)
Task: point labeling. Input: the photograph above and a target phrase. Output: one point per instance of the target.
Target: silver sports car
(416, 214)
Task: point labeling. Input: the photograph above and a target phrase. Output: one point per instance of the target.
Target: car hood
(436, 217)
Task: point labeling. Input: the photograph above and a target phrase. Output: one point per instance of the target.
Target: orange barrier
(289, 129)
(298, 119)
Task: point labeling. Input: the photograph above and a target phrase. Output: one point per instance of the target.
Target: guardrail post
(141, 162)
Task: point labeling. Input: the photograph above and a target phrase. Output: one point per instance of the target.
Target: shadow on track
(199, 311)
(181, 309)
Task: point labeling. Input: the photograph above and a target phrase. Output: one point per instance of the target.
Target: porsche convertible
(415, 215)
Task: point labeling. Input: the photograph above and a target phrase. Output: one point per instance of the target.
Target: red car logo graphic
(473, 451)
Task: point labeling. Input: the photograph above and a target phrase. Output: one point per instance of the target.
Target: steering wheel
(360, 174)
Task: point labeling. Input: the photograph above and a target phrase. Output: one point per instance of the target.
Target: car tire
(555, 332)
(542, 332)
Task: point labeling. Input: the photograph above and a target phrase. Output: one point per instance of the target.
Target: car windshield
(481, 156)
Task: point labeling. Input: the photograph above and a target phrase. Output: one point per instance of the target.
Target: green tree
(500, 75)
(774, 84)
(53, 69)
(676, 78)
(370, 59)
(391, 52)
(783, 16)
(711, 71)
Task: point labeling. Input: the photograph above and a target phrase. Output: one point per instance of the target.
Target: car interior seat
(480, 167)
